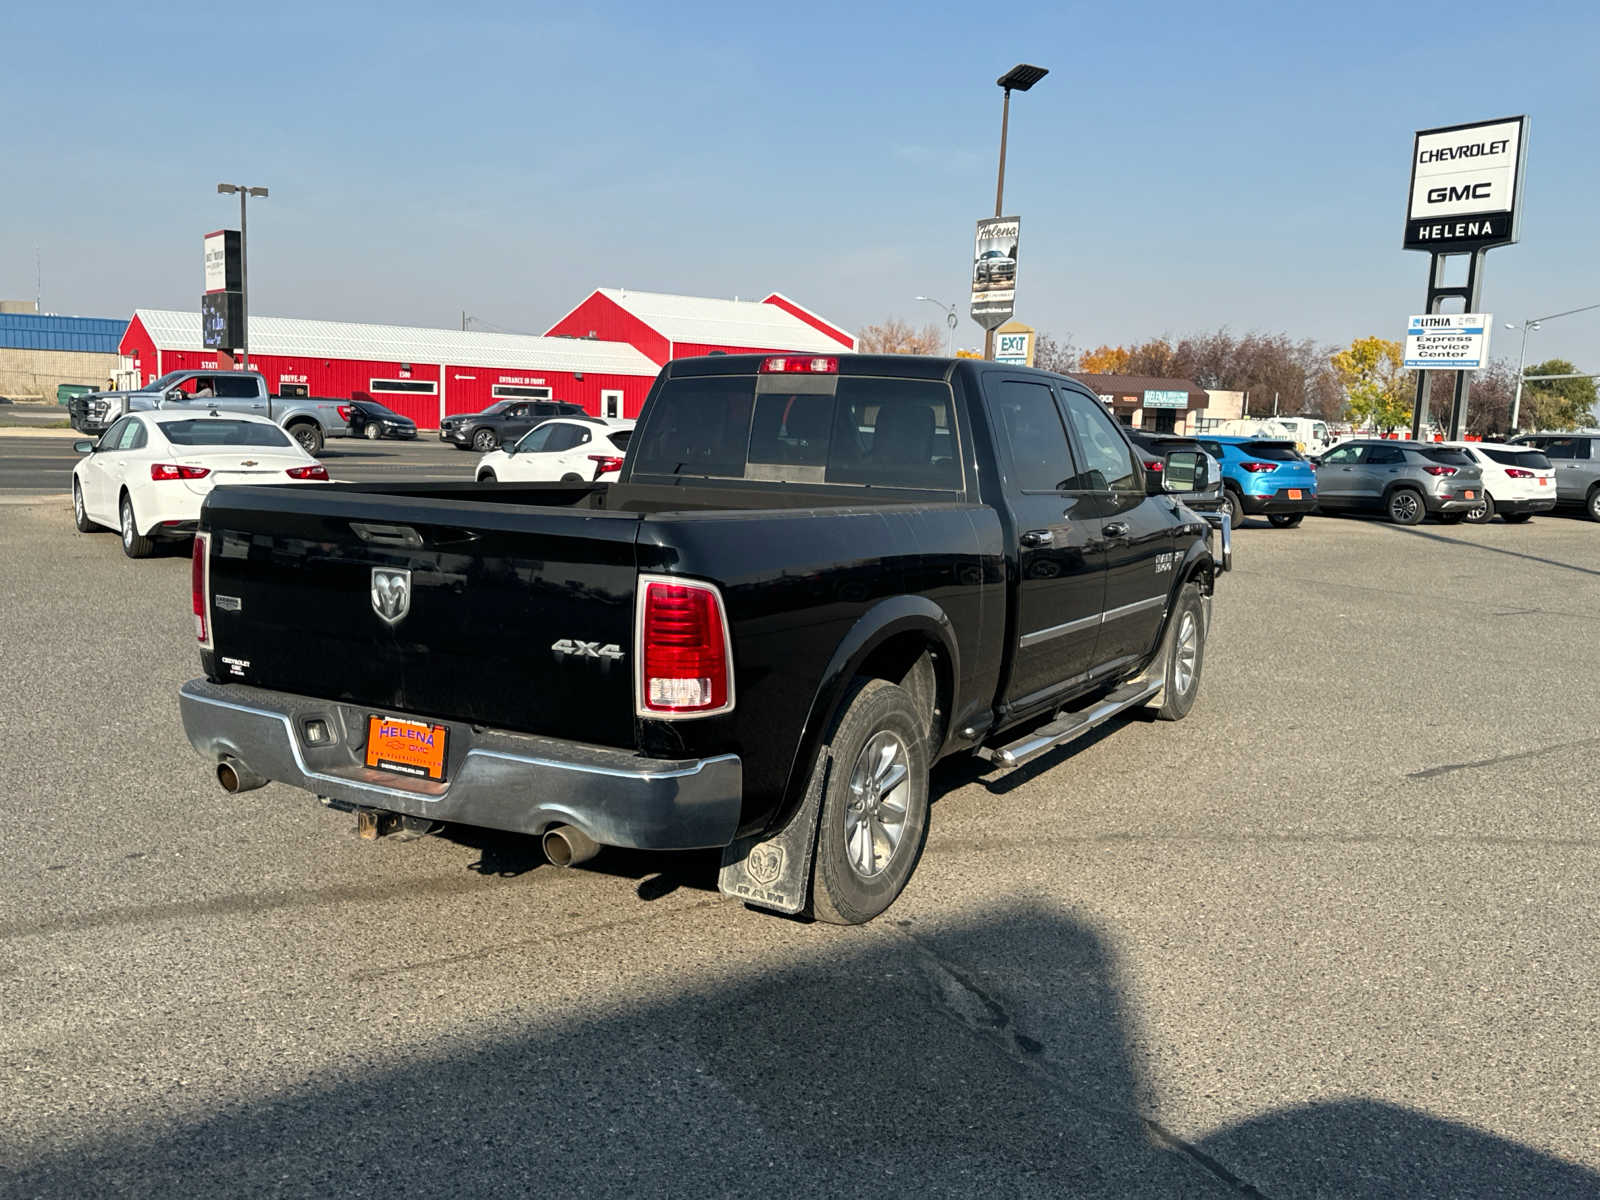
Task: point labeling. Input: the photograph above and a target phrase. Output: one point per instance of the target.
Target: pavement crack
(1447, 768)
(961, 996)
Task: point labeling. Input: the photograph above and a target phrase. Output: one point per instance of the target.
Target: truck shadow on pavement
(985, 1056)
(1412, 531)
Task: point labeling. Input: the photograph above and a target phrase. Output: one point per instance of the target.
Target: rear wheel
(309, 435)
(372, 433)
(1186, 656)
(1482, 514)
(1515, 518)
(1405, 506)
(134, 543)
(1592, 504)
(1234, 506)
(485, 440)
(874, 805)
(1285, 520)
(80, 515)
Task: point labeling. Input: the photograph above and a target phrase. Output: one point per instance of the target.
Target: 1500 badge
(1165, 562)
(567, 647)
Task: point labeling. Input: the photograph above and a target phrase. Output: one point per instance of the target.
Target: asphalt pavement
(1335, 934)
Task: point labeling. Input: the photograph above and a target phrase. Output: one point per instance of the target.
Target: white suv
(560, 450)
(1518, 481)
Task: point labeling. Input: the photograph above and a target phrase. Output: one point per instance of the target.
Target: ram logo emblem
(391, 593)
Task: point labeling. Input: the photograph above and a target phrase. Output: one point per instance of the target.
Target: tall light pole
(1020, 78)
(950, 319)
(1516, 401)
(228, 189)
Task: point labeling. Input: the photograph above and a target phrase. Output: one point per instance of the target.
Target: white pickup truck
(310, 420)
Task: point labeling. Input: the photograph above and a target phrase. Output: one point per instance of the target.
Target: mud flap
(774, 871)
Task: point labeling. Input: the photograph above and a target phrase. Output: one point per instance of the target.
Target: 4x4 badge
(391, 593)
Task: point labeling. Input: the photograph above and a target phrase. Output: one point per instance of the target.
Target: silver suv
(1403, 480)
(1576, 458)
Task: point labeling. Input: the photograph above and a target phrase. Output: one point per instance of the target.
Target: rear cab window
(864, 431)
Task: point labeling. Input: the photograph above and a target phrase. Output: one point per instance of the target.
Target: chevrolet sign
(1466, 186)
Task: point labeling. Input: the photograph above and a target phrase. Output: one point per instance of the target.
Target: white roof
(172, 330)
(723, 322)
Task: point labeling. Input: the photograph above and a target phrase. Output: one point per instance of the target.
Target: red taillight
(161, 471)
(1518, 473)
(344, 411)
(683, 650)
(199, 586)
(1254, 467)
(1157, 465)
(314, 471)
(1440, 470)
(799, 364)
(606, 462)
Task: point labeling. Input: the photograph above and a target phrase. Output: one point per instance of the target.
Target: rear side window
(1565, 447)
(1026, 414)
(220, 432)
(620, 438)
(1452, 458)
(876, 432)
(1272, 451)
(1379, 456)
(1530, 460)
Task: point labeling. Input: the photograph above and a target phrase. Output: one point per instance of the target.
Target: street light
(1019, 79)
(1516, 401)
(228, 189)
(950, 319)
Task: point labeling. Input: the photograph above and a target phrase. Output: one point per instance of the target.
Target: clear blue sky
(1183, 166)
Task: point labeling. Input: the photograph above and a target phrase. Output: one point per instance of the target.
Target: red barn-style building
(604, 354)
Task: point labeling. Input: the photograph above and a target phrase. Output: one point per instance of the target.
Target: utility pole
(227, 189)
(1021, 77)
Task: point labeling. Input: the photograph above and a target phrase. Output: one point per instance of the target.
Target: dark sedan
(371, 420)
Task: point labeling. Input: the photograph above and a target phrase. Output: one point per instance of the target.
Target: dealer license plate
(1544, 483)
(407, 747)
(1294, 493)
(1470, 494)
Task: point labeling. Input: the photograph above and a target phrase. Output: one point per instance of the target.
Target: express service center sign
(1466, 186)
(1448, 341)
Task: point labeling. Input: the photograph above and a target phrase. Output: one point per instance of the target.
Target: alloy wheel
(1187, 652)
(875, 818)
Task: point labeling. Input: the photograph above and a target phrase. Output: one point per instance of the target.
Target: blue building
(39, 352)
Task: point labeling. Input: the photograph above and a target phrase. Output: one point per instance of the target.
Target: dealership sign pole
(1465, 199)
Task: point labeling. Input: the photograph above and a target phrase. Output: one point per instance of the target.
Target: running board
(1074, 725)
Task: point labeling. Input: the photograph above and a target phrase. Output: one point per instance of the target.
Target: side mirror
(1185, 471)
(175, 396)
(84, 446)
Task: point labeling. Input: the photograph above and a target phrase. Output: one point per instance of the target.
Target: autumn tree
(1376, 384)
(895, 336)
(1104, 360)
(1556, 403)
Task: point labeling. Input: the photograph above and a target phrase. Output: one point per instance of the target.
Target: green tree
(1556, 403)
(1377, 387)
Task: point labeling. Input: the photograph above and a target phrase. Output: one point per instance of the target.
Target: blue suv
(1263, 476)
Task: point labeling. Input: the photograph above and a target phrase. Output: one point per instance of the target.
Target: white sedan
(560, 450)
(1518, 481)
(150, 472)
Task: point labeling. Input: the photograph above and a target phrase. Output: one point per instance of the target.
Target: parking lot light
(1516, 401)
(228, 189)
(1019, 79)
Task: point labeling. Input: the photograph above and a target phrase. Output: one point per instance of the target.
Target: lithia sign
(1466, 186)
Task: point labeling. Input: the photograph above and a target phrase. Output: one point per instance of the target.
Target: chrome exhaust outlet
(235, 777)
(567, 846)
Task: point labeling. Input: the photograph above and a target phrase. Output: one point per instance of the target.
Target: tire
(1405, 506)
(1591, 504)
(1234, 506)
(488, 477)
(309, 435)
(1515, 518)
(1186, 656)
(1285, 520)
(879, 732)
(80, 515)
(485, 440)
(1481, 515)
(372, 433)
(134, 544)
(569, 477)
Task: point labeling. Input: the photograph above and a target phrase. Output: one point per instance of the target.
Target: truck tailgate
(515, 616)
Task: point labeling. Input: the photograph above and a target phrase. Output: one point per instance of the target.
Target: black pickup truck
(814, 578)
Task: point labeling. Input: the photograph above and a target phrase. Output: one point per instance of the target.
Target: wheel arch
(908, 640)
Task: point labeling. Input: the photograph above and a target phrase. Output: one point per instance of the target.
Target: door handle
(1038, 537)
(1116, 529)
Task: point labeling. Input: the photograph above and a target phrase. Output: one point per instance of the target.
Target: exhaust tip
(235, 777)
(228, 777)
(567, 846)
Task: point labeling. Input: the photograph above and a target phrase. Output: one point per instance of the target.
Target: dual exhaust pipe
(564, 845)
